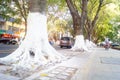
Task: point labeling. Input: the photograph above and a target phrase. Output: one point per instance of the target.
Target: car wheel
(68, 46)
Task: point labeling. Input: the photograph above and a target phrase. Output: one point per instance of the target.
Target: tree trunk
(92, 23)
(75, 17)
(83, 15)
(35, 50)
(88, 30)
(78, 24)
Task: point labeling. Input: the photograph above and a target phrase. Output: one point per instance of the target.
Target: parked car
(114, 44)
(8, 39)
(5, 40)
(66, 42)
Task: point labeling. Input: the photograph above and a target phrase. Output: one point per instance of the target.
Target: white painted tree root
(79, 44)
(89, 44)
(35, 50)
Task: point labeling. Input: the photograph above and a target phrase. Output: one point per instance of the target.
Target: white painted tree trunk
(35, 50)
(79, 44)
(89, 44)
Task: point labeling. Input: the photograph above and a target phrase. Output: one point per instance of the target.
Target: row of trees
(90, 16)
(93, 13)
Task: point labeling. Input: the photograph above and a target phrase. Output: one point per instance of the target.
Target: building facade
(12, 28)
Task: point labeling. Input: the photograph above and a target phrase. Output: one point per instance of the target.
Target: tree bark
(83, 15)
(78, 24)
(75, 16)
(38, 6)
(92, 23)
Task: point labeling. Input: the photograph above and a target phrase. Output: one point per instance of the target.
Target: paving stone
(59, 73)
(59, 70)
(71, 69)
(51, 75)
(44, 78)
(55, 79)
(65, 73)
(61, 67)
(55, 72)
(63, 77)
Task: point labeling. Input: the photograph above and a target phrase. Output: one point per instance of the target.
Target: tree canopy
(100, 15)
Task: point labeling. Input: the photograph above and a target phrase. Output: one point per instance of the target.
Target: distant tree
(79, 19)
(92, 16)
(106, 22)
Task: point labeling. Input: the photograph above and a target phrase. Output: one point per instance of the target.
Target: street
(7, 49)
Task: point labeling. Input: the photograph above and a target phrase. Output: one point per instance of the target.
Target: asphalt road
(7, 49)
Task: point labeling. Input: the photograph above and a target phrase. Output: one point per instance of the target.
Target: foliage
(103, 26)
(13, 9)
(5, 9)
(21, 7)
(59, 15)
(116, 28)
(58, 18)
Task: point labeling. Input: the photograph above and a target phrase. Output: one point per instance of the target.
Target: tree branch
(20, 9)
(97, 13)
(71, 7)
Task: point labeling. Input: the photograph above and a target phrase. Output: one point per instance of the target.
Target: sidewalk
(100, 64)
(103, 65)
(61, 71)
(64, 70)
